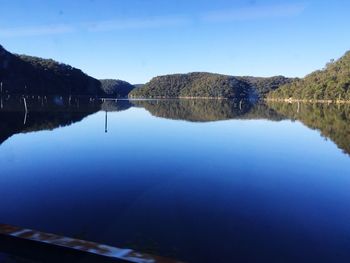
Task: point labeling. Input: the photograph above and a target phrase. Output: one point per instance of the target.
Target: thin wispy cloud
(157, 22)
(36, 30)
(255, 13)
(98, 26)
(145, 23)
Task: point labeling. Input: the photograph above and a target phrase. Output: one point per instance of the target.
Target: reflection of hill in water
(115, 105)
(44, 113)
(332, 120)
(47, 113)
(202, 110)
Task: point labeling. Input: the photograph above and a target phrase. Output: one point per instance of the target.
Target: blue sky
(136, 40)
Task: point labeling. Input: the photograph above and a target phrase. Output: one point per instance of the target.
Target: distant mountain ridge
(211, 85)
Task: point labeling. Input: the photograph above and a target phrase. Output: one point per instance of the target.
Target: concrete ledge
(35, 245)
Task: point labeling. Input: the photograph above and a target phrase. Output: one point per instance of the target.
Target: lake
(194, 180)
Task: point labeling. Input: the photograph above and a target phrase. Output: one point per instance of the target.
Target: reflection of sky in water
(271, 189)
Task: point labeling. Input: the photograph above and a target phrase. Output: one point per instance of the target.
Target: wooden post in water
(25, 104)
(25, 110)
(106, 123)
(298, 109)
(1, 94)
(25, 118)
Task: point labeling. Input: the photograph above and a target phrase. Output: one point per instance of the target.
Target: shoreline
(176, 98)
(99, 97)
(307, 101)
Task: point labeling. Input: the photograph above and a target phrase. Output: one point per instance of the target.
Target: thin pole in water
(106, 123)
(25, 118)
(25, 110)
(25, 104)
(298, 110)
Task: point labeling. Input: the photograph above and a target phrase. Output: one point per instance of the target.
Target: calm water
(196, 180)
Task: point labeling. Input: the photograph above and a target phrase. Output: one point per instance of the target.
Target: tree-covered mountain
(139, 85)
(197, 84)
(116, 87)
(331, 83)
(262, 85)
(202, 84)
(20, 74)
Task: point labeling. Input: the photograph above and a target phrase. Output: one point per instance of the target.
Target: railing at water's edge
(36, 245)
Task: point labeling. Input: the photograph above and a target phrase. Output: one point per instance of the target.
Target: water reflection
(332, 120)
(20, 114)
(181, 189)
(204, 110)
(115, 105)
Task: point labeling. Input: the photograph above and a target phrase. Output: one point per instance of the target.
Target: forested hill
(20, 74)
(262, 86)
(330, 83)
(196, 84)
(116, 87)
(202, 84)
